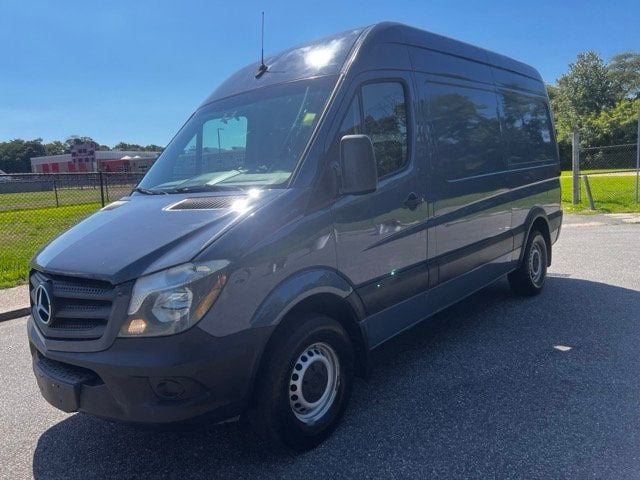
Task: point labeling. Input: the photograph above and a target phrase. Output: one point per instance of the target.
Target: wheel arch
(537, 220)
(323, 291)
(342, 310)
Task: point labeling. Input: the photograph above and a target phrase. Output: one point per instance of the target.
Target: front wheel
(306, 383)
(530, 277)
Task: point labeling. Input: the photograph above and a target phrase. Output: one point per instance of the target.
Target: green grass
(611, 194)
(568, 173)
(24, 232)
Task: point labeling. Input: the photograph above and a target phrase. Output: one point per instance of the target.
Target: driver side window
(383, 107)
(351, 125)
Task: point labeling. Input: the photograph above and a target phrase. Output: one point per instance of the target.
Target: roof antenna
(262, 68)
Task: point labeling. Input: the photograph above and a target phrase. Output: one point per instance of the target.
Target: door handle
(413, 201)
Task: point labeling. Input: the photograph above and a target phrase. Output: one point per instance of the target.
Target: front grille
(81, 308)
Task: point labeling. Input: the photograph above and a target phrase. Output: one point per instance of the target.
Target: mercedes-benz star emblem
(43, 304)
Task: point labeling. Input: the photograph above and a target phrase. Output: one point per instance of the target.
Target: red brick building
(84, 158)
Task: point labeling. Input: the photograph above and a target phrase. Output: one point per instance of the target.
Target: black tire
(273, 414)
(529, 278)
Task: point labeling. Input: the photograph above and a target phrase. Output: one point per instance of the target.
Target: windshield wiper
(148, 191)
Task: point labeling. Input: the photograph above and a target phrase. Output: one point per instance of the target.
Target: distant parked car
(4, 176)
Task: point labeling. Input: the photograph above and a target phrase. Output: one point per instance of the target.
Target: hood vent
(206, 203)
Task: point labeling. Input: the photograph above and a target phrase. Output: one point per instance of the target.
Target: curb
(13, 314)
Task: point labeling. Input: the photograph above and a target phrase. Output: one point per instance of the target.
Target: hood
(146, 233)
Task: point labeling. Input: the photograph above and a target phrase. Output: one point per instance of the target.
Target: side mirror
(358, 171)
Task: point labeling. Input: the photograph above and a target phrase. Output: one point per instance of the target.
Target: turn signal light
(136, 326)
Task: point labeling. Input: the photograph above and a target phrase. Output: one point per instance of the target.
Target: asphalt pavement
(494, 387)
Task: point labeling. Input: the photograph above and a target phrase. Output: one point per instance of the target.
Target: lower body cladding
(153, 380)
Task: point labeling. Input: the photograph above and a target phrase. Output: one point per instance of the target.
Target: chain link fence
(35, 208)
(609, 176)
(609, 159)
(608, 179)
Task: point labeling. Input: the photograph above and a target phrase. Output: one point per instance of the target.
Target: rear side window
(527, 128)
(467, 130)
(383, 107)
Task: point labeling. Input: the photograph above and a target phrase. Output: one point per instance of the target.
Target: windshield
(249, 140)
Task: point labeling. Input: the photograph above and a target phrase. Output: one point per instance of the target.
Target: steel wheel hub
(314, 382)
(535, 263)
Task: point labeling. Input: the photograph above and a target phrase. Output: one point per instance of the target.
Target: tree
(624, 70)
(76, 140)
(587, 87)
(613, 126)
(135, 146)
(597, 99)
(552, 90)
(15, 155)
(127, 146)
(55, 148)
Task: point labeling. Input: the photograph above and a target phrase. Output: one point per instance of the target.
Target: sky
(134, 70)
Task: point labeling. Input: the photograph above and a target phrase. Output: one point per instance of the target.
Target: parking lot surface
(494, 387)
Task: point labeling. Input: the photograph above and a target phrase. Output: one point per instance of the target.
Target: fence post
(587, 189)
(638, 162)
(55, 191)
(101, 188)
(575, 167)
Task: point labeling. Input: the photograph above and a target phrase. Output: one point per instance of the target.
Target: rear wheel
(306, 384)
(529, 278)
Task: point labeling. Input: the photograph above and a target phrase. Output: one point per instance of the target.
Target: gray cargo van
(308, 211)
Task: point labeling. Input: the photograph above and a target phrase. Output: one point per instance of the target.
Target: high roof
(390, 32)
(329, 55)
(317, 58)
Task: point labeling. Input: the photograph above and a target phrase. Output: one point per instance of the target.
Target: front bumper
(152, 380)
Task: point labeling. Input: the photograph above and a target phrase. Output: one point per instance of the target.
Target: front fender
(309, 283)
(298, 287)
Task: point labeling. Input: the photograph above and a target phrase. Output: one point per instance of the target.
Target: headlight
(173, 300)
